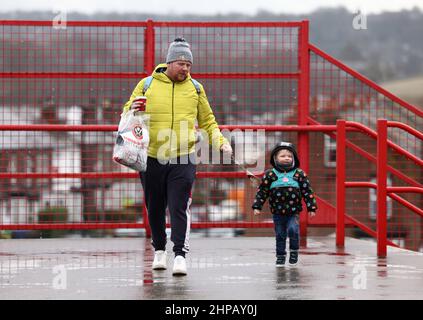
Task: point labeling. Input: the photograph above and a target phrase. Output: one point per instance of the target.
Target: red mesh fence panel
(252, 72)
(77, 76)
(82, 75)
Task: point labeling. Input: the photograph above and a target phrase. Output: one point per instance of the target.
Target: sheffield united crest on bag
(132, 141)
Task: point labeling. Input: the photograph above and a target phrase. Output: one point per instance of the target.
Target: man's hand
(139, 103)
(311, 213)
(257, 212)
(226, 148)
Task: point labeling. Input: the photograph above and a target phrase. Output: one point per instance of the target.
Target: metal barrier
(383, 191)
(63, 91)
(63, 94)
(338, 92)
(86, 221)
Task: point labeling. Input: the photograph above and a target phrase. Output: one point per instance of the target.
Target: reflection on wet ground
(219, 268)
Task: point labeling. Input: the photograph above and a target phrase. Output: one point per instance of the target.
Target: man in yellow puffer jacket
(174, 103)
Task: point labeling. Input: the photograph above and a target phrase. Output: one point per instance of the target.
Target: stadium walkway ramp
(219, 269)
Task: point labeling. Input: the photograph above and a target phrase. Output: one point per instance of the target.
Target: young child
(285, 185)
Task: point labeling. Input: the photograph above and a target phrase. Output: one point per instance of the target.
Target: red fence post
(149, 47)
(303, 113)
(340, 182)
(382, 158)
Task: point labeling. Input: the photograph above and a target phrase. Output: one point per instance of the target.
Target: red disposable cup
(141, 101)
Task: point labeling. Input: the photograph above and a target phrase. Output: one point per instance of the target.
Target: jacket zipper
(173, 118)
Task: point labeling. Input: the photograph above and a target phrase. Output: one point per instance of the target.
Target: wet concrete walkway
(239, 268)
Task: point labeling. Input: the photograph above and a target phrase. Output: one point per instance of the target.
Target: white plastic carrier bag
(132, 141)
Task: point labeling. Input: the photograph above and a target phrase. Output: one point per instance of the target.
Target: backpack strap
(147, 84)
(149, 79)
(196, 85)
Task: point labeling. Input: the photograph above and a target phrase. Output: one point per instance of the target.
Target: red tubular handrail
(359, 184)
(355, 184)
(391, 193)
(49, 23)
(234, 75)
(406, 204)
(395, 147)
(73, 75)
(404, 189)
(366, 229)
(108, 128)
(135, 225)
(133, 75)
(417, 111)
(308, 128)
(71, 226)
(68, 175)
(110, 175)
(410, 130)
(263, 24)
(160, 24)
(57, 127)
(370, 157)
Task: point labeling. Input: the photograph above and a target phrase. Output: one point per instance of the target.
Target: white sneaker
(179, 266)
(160, 259)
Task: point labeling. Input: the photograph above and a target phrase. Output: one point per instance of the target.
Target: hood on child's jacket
(288, 146)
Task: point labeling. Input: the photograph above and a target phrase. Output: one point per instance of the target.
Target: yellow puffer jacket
(173, 108)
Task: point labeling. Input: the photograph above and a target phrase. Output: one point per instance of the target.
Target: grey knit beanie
(179, 49)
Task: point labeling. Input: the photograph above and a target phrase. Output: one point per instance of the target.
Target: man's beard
(181, 76)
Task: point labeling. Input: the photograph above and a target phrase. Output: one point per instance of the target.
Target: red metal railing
(96, 65)
(339, 92)
(134, 175)
(261, 73)
(383, 191)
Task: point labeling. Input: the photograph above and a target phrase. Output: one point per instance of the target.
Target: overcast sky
(208, 6)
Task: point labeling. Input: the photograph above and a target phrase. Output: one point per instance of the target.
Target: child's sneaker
(280, 261)
(293, 258)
